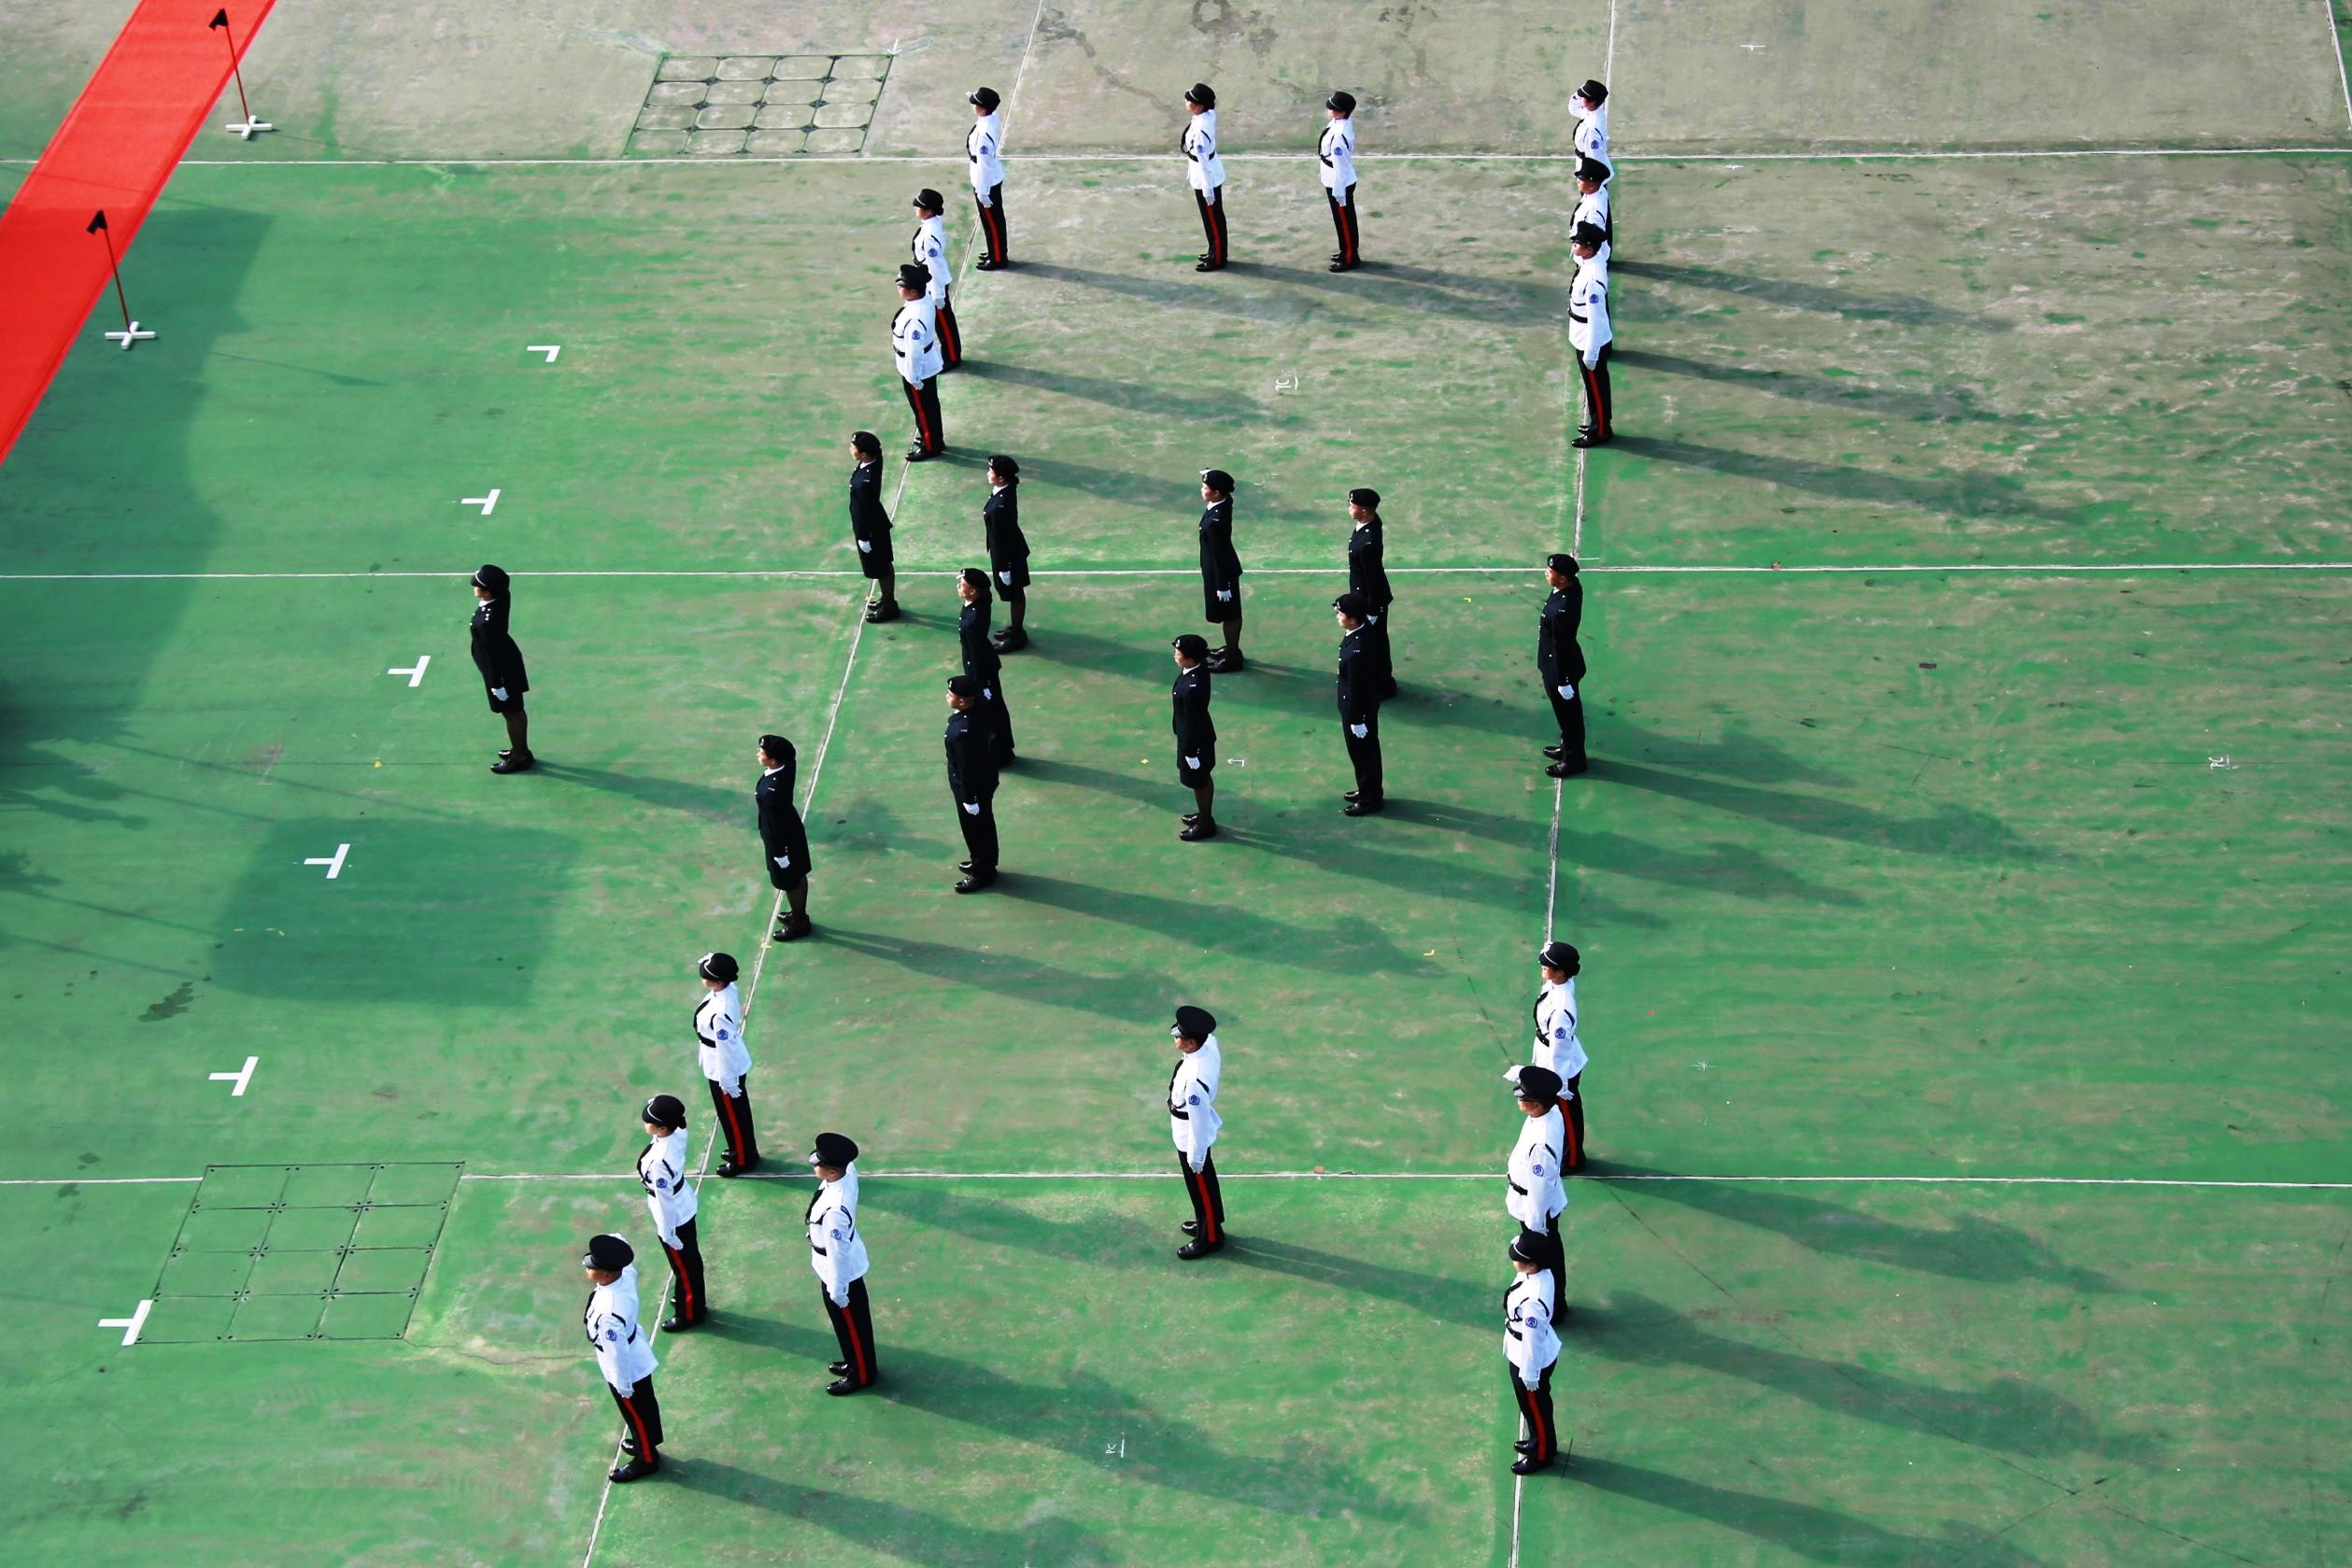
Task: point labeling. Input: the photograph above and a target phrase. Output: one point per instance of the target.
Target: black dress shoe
(794, 927)
(1525, 1445)
(1338, 257)
(1197, 832)
(1553, 752)
(1529, 1465)
(1566, 769)
(1363, 808)
(963, 865)
(1343, 266)
(1189, 818)
(838, 1368)
(984, 264)
(730, 1169)
(507, 763)
(678, 1325)
(1590, 441)
(1192, 1249)
(885, 611)
(1190, 1227)
(505, 751)
(975, 881)
(1208, 266)
(1010, 641)
(840, 1386)
(1202, 256)
(632, 1470)
(1231, 664)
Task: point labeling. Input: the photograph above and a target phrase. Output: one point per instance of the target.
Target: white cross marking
(129, 1325)
(128, 335)
(247, 129)
(242, 1076)
(1751, 47)
(488, 503)
(550, 350)
(333, 863)
(416, 672)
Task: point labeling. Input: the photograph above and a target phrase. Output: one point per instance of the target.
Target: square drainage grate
(760, 106)
(315, 1251)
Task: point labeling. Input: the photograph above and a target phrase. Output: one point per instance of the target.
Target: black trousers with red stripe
(734, 1119)
(923, 397)
(1572, 1106)
(1596, 404)
(951, 337)
(686, 1268)
(640, 1418)
(1535, 1409)
(854, 1327)
(1343, 221)
(1207, 1199)
(1212, 207)
(992, 224)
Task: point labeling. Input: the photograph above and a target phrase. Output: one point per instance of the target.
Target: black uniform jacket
(1557, 654)
(1195, 733)
(494, 652)
(868, 524)
(1220, 568)
(780, 829)
(971, 763)
(1363, 674)
(1008, 548)
(1366, 574)
(981, 661)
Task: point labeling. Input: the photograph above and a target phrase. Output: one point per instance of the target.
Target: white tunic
(718, 1024)
(1594, 209)
(1535, 1197)
(1556, 1043)
(1529, 1341)
(669, 1193)
(980, 151)
(930, 251)
(624, 1351)
(915, 341)
(1202, 167)
(1591, 135)
(1192, 1102)
(1338, 153)
(836, 1251)
(1588, 309)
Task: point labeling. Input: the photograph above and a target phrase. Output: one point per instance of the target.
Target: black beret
(1005, 466)
(866, 441)
(1593, 93)
(777, 747)
(1353, 605)
(1218, 480)
(835, 1150)
(984, 96)
(491, 578)
(972, 577)
(609, 1254)
(1202, 93)
(1586, 233)
(1557, 956)
(1535, 1083)
(666, 1110)
(963, 686)
(1192, 645)
(930, 200)
(1587, 168)
(1194, 1024)
(1528, 1248)
(720, 967)
(1368, 500)
(1560, 561)
(1343, 102)
(913, 274)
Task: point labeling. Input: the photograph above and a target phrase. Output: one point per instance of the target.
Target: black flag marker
(98, 225)
(227, 35)
(219, 19)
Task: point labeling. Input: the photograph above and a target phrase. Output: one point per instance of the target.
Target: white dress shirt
(915, 341)
(1588, 309)
(1529, 1341)
(1591, 135)
(1192, 1102)
(1594, 209)
(836, 1251)
(1557, 1046)
(1535, 1197)
(1338, 152)
(624, 1351)
(930, 251)
(1202, 167)
(669, 1192)
(980, 151)
(718, 1025)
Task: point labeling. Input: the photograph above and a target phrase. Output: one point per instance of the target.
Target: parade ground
(1964, 877)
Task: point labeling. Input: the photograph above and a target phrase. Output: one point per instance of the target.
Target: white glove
(1568, 693)
(1592, 360)
(971, 808)
(1533, 1386)
(784, 863)
(1224, 596)
(841, 1300)
(1192, 762)
(498, 692)
(982, 197)
(1005, 577)
(989, 694)
(865, 546)
(1359, 730)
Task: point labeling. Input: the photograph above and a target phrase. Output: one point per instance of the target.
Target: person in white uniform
(725, 1060)
(914, 351)
(837, 1254)
(1534, 1195)
(1592, 203)
(661, 1170)
(1588, 334)
(1337, 154)
(1557, 1044)
(983, 148)
(624, 1353)
(1589, 103)
(1530, 1347)
(929, 246)
(1205, 171)
(1193, 1119)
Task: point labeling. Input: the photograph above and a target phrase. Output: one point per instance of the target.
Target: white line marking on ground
(550, 350)
(129, 1325)
(99, 1181)
(334, 863)
(1036, 20)
(2335, 39)
(416, 672)
(488, 503)
(242, 1076)
(884, 1174)
(1576, 531)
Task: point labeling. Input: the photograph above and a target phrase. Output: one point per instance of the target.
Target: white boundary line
(886, 1175)
(2335, 39)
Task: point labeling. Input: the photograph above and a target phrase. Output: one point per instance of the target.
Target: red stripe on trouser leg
(859, 1360)
(734, 1128)
(1567, 1126)
(1208, 1231)
(1534, 1419)
(637, 1425)
(688, 1308)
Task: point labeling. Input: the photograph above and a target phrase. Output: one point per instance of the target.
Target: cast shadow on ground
(1346, 947)
(1083, 1417)
(891, 1529)
(2003, 1414)
(1102, 1237)
(1442, 1300)
(1125, 998)
(706, 801)
(1854, 396)
(1135, 397)
(1186, 295)
(1747, 757)
(1960, 497)
(1428, 291)
(1853, 305)
(1956, 831)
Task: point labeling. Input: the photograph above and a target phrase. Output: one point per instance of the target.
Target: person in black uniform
(1364, 681)
(1196, 736)
(1008, 550)
(982, 665)
(971, 778)
(1366, 574)
(1560, 660)
(870, 526)
(1219, 569)
(501, 666)
(782, 836)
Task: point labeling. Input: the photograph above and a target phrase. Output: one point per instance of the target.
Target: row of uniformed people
(1590, 230)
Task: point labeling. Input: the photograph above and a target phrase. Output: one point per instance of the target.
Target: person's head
(775, 751)
(914, 277)
(1585, 242)
(982, 100)
(832, 1155)
(1559, 568)
(1536, 1089)
(1199, 98)
(928, 203)
(607, 1257)
(972, 586)
(718, 971)
(865, 446)
(1559, 962)
(1340, 105)
(1193, 1026)
(1003, 471)
(1190, 649)
(1216, 485)
(1589, 176)
(1364, 506)
(1526, 1252)
(963, 692)
(1591, 97)
(1351, 608)
(663, 1114)
(490, 581)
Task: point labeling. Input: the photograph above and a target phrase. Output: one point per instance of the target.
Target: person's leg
(1216, 1190)
(951, 341)
(517, 734)
(1016, 604)
(888, 581)
(1218, 245)
(935, 429)
(1207, 228)
(861, 1324)
(1600, 382)
(1204, 795)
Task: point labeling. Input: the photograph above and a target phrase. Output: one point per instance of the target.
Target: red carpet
(148, 99)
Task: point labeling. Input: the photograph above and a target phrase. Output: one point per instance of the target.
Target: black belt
(1574, 317)
(1515, 1186)
(819, 1251)
(1180, 1115)
(1513, 1333)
